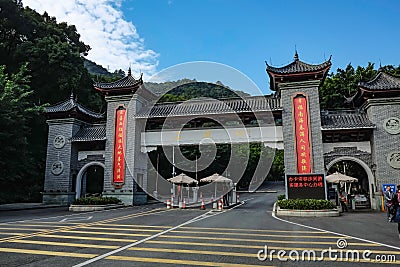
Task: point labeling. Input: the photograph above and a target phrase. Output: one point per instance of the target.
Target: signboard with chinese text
(119, 148)
(305, 186)
(302, 134)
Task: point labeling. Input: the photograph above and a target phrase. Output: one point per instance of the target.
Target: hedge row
(305, 204)
(96, 201)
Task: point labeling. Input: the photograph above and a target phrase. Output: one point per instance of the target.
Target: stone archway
(81, 172)
(371, 180)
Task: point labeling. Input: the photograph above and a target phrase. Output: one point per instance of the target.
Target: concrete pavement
(151, 235)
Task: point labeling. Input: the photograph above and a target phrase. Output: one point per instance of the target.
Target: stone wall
(383, 143)
(61, 158)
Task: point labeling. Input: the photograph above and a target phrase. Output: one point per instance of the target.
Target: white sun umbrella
(180, 180)
(338, 177)
(217, 179)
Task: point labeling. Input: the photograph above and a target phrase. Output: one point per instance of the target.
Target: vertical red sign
(119, 146)
(302, 134)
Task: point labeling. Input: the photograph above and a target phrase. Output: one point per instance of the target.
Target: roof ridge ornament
(296, 56)
(129, 72)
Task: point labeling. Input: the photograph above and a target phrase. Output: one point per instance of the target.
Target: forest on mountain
(42, 61)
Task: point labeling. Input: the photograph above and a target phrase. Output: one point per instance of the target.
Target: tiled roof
(70, 105)
(335, 120)
(382, 81)
(298, 66)
(211, 106)
(95, 132)
(126, 82)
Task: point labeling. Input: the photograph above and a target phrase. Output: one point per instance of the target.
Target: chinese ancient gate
(312, 139)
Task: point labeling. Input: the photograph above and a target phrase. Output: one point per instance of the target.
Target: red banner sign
(302, 134)
(119, 146)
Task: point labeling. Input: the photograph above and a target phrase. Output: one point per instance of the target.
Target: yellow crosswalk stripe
(265, 241)
(265, 235)
(19, 228)
(12, 233)
(90, 238)
(190, 251)
(102, 233)
(252, 255)
(45, 252)
(251, 230)
(135, 225)
(163, 260)
(120, 229)
(182, 262)
(63, 244)
(183, 243)
(50, 231)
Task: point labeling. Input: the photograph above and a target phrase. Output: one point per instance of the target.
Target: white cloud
(115, 42)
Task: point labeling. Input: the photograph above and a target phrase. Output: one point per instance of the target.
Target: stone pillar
(61, 161)
(135, 160)
(288, 92)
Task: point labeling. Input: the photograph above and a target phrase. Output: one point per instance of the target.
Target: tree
(343, 84)
(19, 172)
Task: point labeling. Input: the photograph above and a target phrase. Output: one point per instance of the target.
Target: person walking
(343, 200)
(396, 205)
(389, 196)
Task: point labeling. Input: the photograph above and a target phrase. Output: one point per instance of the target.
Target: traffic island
(95, 204)
(307, 213)
(305, 208)
(94, 207)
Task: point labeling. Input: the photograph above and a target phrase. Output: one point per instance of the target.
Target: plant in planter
(96, 201)
(305, 204)
(281, 197)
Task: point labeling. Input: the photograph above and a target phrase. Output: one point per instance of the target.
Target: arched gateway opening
(90, 179)
(359, 169)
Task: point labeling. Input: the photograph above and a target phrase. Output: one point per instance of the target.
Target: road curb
(14, 207)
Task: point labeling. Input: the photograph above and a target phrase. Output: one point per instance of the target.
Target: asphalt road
(154, 236)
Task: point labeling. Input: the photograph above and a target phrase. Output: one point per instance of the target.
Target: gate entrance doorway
(90, 180)
(360, 191)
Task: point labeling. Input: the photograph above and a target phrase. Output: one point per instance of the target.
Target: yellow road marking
(134, 225)
(249, 246)
(50, 231)
(266, 235)
(230, 253)
(189, 251)
(251, 230)
(89, 238)
(253, 255)
(119, 229)
(63, 244)
(18, 228)
(101, 233)
(154, 260)
(45, 252)
(261, 241)
(10, 233)
(54, 225)
(182, 262)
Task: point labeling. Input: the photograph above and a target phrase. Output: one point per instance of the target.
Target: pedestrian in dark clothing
(396, 205)
(389, 203)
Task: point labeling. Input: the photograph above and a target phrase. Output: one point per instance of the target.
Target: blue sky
(243, 34)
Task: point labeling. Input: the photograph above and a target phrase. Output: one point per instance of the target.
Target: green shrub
(281, 197)
(96, 201)
(305, 204)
